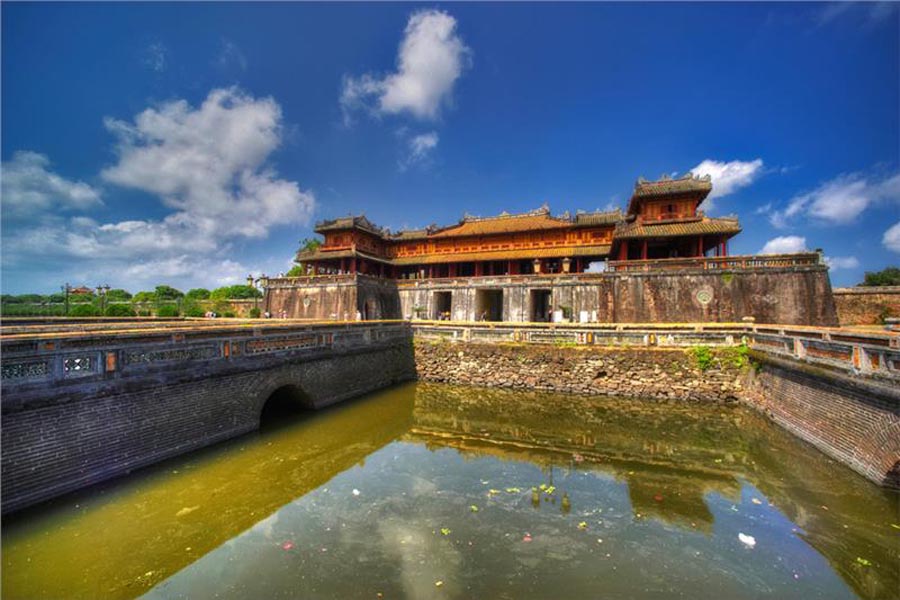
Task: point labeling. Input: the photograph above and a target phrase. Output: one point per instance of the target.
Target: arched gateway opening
(284, 406)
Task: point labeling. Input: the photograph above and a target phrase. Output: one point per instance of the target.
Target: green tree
(197, 294)
(32, 298)
(119, 310)
(81, 298)
(165, 292)
(235, 292)
(56, 298)
(888, 276)
(118, 295)
(167, 310)
(84, 310)
(297, 271)
(144, 297)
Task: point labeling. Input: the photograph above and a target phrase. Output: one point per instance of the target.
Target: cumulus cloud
(838, 201)
(728, 177)
(29, 187)
(891, 238)
(430, 59)
(786, 244)
(842, 262)
(419, 147)
(207, 165)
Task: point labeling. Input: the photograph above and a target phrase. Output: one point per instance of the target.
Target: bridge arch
(281, 401)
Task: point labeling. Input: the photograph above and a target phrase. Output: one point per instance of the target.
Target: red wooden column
(479, 269)
(353, 265)
(700, 246)
(623, 251)
(644, 250)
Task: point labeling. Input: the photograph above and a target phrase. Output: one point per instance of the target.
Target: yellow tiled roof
(560, 252)
(706, 226)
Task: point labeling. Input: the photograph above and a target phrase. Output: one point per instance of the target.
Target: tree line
(163, 301)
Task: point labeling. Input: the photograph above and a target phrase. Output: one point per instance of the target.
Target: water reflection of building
(667, 478)
(681, 453)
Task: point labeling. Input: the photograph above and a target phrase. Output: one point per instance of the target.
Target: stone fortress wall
(792, 295)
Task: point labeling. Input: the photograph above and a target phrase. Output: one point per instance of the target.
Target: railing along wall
(718, 263)
(872, 353)
(43, 358)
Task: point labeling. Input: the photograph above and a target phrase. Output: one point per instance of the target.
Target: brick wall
(867, 305)
(852, 420)
(80, 437)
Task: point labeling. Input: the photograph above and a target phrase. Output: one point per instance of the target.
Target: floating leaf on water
(438, 583)
(658, 497)
(747, 540)
(513, 490)
(186, 510)
(445, 531)
(756, 501)
(599, 540)
(473, 508)
(287, 546)
(527, 537)
(492, 492)
(356, 492)
(582, 525)
(863, 561)
(550, 489)
(543, 487)
(895, 526)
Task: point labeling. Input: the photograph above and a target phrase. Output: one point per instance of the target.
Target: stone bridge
(85, 403)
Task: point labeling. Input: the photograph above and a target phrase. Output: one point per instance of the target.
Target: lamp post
(66, 289)
(101, 293)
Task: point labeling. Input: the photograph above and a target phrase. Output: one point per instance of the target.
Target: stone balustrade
(717, 263)
(875, 353)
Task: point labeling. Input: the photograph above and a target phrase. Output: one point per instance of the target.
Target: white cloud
(842, 262)
(230, 55)
(207, 165)
(419, 148)
(786, 244)
(891, 238)
(430, 59)
(156, 57)
(838, 201)
(728, 177)
(29, 188)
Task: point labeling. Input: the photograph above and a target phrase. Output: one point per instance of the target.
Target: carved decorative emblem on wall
(306, 301)
(704, 296)
(74, 366)
(24, 370)
(199, 353)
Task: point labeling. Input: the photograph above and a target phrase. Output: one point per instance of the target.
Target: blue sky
(192, 144)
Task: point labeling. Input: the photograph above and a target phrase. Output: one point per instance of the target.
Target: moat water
(427, 491)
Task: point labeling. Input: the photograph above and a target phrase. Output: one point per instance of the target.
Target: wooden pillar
(644, 250)
(700, 246)
(353, 265)
(623, 251)
(725, 247)
(479, 269)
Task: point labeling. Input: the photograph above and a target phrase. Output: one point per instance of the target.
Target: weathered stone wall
(788, 296)
(331, 299)
(867, 305)
(856, 421)
(658, 374)
(82, 433)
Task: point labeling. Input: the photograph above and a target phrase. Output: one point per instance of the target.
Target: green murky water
(428, 491)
